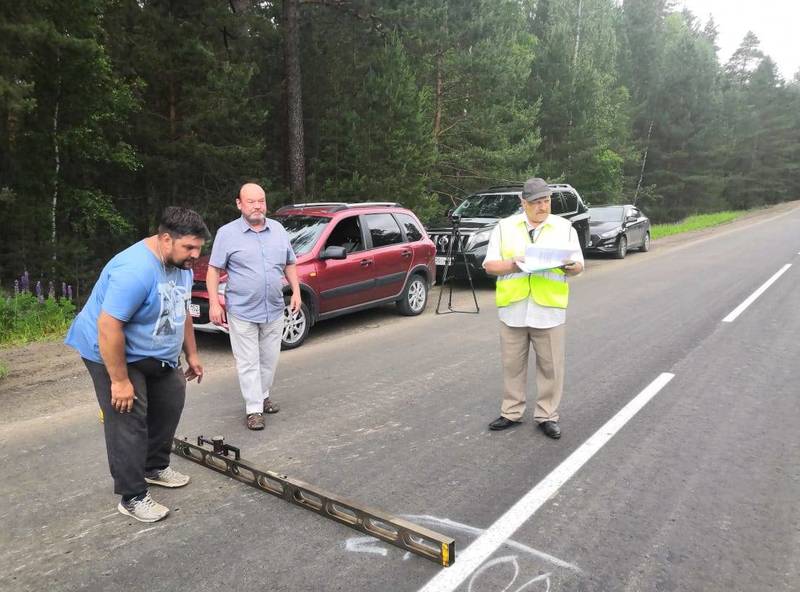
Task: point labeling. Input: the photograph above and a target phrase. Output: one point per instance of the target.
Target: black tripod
(455, 243)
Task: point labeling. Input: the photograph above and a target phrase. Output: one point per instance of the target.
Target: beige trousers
(548, 344)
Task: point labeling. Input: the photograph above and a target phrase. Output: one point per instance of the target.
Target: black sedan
(617, 229)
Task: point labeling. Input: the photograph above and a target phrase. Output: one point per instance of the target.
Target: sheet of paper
(542, 258)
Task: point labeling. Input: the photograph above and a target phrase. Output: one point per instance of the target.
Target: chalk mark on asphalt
(541, 581)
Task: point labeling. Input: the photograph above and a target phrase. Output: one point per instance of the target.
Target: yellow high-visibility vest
(546, 288)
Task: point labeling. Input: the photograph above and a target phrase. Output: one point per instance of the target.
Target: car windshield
(303, 230)
(608, 214)
(492, 205)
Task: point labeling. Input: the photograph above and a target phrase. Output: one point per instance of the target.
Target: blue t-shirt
(135, 288)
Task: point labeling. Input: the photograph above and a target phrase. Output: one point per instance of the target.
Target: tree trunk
(57, 172)
(294, 98)
(437, 117)
(574, 78)
(644, 161)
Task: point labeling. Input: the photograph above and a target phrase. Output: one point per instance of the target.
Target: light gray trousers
(256, 347)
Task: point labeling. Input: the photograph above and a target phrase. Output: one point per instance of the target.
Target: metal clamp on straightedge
(391, 529)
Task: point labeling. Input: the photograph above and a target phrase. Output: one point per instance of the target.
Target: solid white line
(750, 299)
(498, 533)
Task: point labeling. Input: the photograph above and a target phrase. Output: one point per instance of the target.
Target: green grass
(23, 319)
(3, 370)
(698, 222)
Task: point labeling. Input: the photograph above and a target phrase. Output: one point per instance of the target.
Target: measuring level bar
(391, 529)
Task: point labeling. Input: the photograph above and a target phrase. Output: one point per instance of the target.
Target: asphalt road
(697, 490)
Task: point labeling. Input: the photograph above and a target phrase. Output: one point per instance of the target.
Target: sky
(775, 23)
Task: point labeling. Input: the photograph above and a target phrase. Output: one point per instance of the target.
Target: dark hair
(180, 222)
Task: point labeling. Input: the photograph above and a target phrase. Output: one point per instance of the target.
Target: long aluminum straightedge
(391, 529)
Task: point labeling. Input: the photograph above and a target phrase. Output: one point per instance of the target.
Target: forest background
(111, 110)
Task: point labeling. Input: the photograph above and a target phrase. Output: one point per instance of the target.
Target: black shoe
(551, 429)
(502, 423)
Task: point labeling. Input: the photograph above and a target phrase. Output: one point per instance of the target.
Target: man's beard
(185, 264)
(256, 218)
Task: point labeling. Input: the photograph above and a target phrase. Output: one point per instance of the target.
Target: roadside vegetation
(111, 110)
(25, 318)
(698, 222)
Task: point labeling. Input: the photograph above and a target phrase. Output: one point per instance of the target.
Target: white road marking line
(750, 299)
(479, 551)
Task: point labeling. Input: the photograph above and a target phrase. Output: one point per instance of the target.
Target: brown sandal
(255, 421)
(270, 407)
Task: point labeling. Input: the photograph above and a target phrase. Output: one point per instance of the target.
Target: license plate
(443, 261)
(194, 310)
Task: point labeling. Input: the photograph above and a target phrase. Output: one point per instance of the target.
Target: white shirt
(526, 313)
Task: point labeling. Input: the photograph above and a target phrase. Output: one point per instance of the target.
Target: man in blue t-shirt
(130, 335)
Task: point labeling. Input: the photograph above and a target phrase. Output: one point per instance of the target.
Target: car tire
(415, 296)
(622, 247)
(295, 327)
(646, 243)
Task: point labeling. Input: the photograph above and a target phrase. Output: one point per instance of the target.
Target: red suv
(349, 257)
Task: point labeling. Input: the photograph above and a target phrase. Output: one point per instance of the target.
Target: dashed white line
(750, 299)
(498, 533)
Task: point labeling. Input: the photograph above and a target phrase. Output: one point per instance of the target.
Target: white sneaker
(144, 509)
(168, 477)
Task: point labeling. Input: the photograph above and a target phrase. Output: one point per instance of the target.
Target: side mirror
(333, 252)
(631, 218)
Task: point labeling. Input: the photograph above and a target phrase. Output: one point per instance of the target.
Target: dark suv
(479, 213)
(349, 257)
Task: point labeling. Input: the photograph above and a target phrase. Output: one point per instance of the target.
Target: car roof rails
(375, 204)
(561, 185)
(337, 206)
(506, 186)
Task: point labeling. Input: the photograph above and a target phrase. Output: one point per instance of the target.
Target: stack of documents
(543, 258)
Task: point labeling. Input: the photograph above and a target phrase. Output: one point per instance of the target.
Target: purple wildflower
(69, 291)
(16, 287)
(63, 289)
(26, 282)
(51, 290)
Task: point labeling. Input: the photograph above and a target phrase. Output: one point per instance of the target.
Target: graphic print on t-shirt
(172, 314)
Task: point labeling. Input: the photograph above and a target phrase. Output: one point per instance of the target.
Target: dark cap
(535, 188)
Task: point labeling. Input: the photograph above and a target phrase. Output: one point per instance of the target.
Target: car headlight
(609, 234)
(478, 238)
(221, 288)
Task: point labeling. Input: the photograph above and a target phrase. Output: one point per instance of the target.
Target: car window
(490, 205)
(303, 231)
(608, 214)
(570, 201)
(383, 229)
(556, 204)
(347, 234)
(413, 233)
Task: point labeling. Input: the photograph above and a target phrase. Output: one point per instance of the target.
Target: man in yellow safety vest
(532, 306)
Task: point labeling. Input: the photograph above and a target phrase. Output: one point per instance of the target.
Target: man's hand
(122, 396)
(572, 267)
(216, 313)
(195, 369)
(294, 302)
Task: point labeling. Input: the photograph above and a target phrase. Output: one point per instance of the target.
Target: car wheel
(646, 243)
(415, 296)
(295, 327)
(622, 248)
